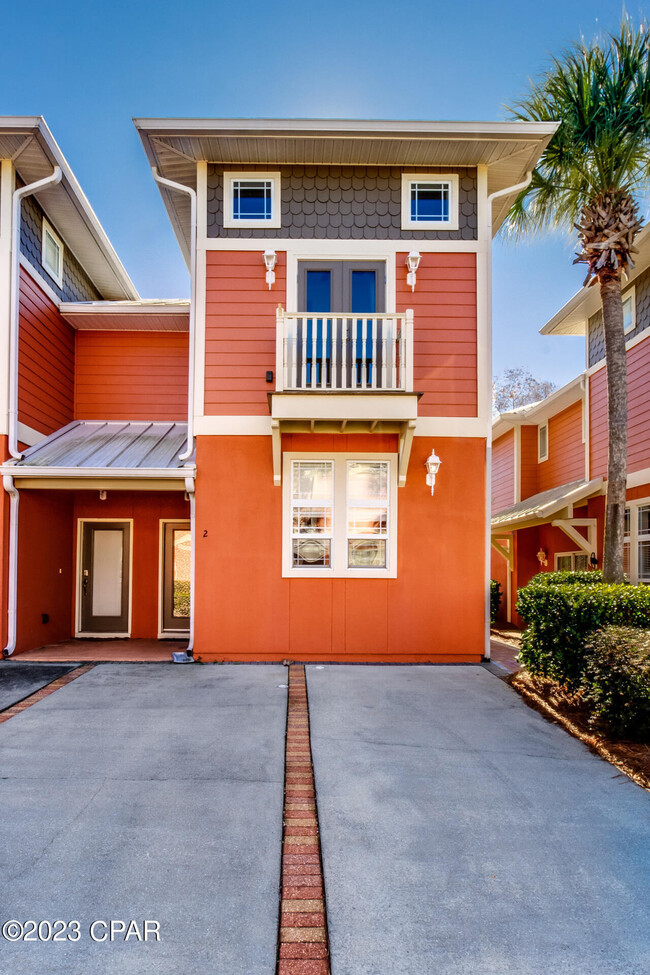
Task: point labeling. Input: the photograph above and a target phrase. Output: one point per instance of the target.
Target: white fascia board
(20, 469)
(172, 306)
(559, 400)
(344, 406)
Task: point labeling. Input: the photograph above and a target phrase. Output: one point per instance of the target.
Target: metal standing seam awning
(554, 507)
(97, 454)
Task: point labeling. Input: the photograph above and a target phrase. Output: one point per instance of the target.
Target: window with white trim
(340, 516)
(629, 310)
(251, 200)
(52, 253)
(571, 561)
(429, 202)
(542, 442)
(636, 543)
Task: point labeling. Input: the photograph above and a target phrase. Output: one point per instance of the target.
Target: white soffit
(145, 315)
(572, 317)
(28, 142)
(174, 146)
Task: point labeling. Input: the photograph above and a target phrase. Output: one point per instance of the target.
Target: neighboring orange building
(338, 336)
(549, 468)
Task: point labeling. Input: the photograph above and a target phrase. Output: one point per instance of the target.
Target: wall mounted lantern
(593, 560)
(270, 260)
(412, 263)
(432, 464)
(541, 557)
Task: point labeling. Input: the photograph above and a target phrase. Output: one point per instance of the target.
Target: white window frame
(78, 631)
(47, 228)
(229, 220)
(630, 293)
(451, 179)
(632, 539)
(559, 555)
(542, 457)
(339, 555)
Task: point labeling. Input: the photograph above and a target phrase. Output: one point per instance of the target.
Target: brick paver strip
(37, 696)
(303, 942)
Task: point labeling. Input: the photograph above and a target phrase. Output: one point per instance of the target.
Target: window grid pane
(252, 199)
(430, 202)
(367, 513)
(52, 254)
(312, 505)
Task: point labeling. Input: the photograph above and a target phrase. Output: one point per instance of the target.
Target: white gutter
(106, 473)
(12, 595)
(181, 188)
(488, 443)
(189, 487)
(15, 302)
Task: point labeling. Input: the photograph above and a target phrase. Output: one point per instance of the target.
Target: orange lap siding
(566, 450)
(131, 375)
(503, 471)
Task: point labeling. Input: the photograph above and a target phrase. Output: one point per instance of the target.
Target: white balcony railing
(343, 352)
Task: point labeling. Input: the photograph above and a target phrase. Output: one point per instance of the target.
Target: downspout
(12, 595)
(15, 302)
(170, 184)
(187, 656)
(517, 188)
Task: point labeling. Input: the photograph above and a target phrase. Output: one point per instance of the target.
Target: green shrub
(617, 680)
(561, 616)
(495, 600)
(586, 578)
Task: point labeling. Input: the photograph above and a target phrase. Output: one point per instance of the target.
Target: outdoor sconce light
(541, 557)
(432, 464)
(270, 259)
(102, 495)
(593, 560)
(412, 263)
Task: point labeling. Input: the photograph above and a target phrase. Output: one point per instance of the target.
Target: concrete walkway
(147, 792)
(462, 834)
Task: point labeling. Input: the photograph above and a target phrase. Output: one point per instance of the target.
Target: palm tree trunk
(610, 292)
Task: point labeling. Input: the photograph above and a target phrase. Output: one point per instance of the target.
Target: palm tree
(589, 179)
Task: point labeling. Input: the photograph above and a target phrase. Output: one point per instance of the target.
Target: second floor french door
(337, 288)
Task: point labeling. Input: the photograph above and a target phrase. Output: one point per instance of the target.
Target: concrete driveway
(462, 834)
(147, 792)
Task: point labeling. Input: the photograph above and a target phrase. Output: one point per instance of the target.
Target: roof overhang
(546, 506)
(535, 413)
(174, 146)
(29, 144)
(144, 315)
(573, 317)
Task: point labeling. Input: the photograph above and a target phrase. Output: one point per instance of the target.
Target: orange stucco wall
(433, 610)
(444, 345)
(45, 361)
(131, 375)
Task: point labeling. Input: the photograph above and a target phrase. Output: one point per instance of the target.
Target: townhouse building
(294, 463)
(549, 473)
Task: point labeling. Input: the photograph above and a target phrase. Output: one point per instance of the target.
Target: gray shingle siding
(596, 330)
(77, 286)
(342, 203)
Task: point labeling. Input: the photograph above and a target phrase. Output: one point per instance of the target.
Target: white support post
(280, 379)
(276, 438)
(408, 351)
(405, 444)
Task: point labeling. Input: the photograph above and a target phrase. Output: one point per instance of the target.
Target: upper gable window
(629, 310)
(52, 254)
(542, 442)
(429, 202)
(251, 200)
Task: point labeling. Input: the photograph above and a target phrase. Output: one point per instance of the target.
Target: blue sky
(90, 67)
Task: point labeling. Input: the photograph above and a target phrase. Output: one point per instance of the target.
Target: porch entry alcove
(104, 534)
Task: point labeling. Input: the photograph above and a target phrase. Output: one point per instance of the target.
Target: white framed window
(429, 201)
(339, 516)
(636, 545)
(629, 310)
(542, 442)
(571, 561)
(251, 200)
(52, 253)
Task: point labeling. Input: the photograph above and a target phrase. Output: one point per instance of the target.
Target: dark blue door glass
(319, 299)
(363, 299)
(319, 291)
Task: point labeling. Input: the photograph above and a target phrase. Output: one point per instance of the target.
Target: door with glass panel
(105, 577)
(335, 349)
(177, 553)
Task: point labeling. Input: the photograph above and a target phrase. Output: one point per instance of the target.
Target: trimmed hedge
(495, 600)
(562, 609)
(617, 680)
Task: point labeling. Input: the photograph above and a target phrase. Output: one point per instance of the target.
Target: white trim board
(333, 247)
(260, 426)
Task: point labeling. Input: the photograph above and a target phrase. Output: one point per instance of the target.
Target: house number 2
(205, 533)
